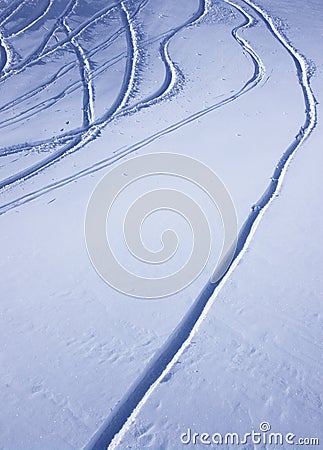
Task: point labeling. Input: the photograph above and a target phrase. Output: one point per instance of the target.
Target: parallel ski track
(10, 10)
(111, 432)
(118, 109)
(255, 79)
(169, 83)
(62, 71)
(29, 112)
(33, 22)
(93, 131)
(41, 52)
(119, 421)
(172, 72)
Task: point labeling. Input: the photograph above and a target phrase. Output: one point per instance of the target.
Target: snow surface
(84, 84)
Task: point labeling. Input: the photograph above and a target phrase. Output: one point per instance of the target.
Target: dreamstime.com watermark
(263, 436)
(98, 237)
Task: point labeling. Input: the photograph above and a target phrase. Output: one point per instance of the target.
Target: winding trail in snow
(42, 52)
(60, 73)
(32, 23)
(121, 418)
(131, 35)
(14, 6)
(117, 110)
(42, 105)
(36, 55)
(91, 131)
(172, 72)
(255, 79)
(86, 78)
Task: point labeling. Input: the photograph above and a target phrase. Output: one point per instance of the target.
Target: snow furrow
(130, 71)
(62, 71)
(93, 131)
(38, 53)
(173, 74)
(86, 77)
(256, 78)
(10, 11)
(25, 28)
(127, 409)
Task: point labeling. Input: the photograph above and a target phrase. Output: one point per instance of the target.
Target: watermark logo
(264, 436)
(104, 196)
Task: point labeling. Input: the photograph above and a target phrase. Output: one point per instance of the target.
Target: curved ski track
(168, 84)
(91, 132)
(10, 10)
(38, 53)
(128, 407)
(43, 14)
(60, 73)
(124, 413)
(77, 141)
(86, 78)
(118, 109)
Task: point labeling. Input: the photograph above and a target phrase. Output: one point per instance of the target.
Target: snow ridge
(86, 77)
(43, 14)
(10, 10)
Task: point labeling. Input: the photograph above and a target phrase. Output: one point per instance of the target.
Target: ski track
(43, 105)
(36, 56)
(117, 110)
(10, 10)
(165, 91)
(43, 14)
(124, 413)
(91, 132)
(86, 78)
(116, 425)
(172, 72)
(60, 73)
(40, 53)
(80, 29)
(256, 78)
(99, 123)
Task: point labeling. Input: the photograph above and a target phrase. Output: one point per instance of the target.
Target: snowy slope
(83, 85)
(256, 357)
